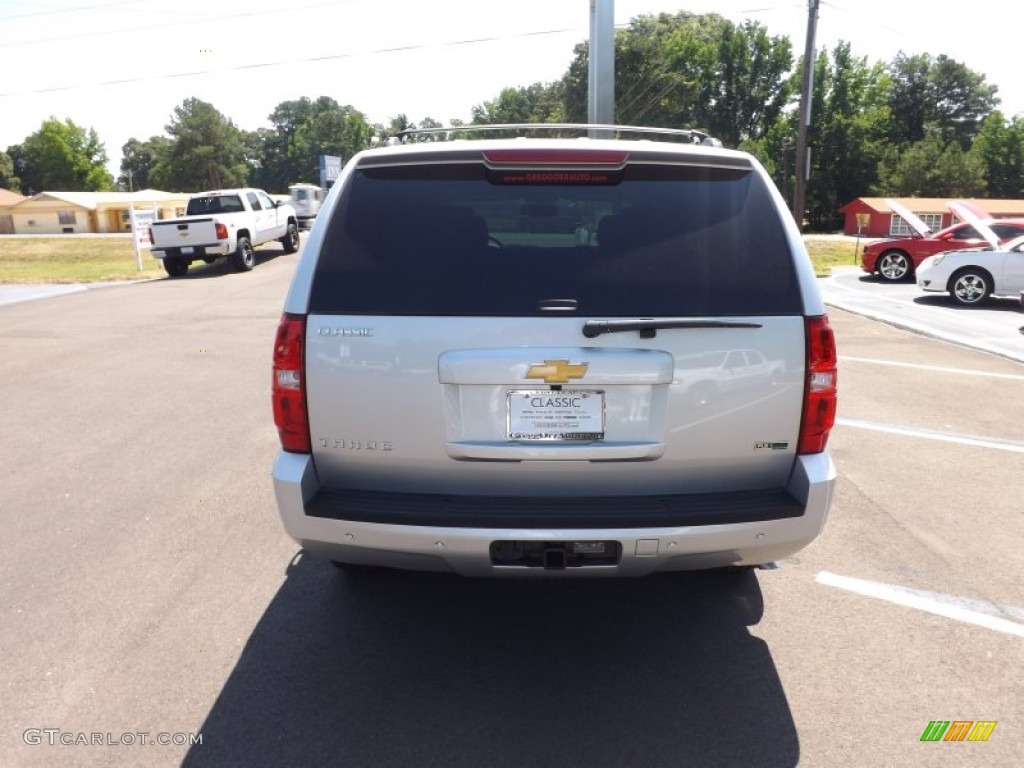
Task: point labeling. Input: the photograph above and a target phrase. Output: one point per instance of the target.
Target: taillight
(222, 231)
(289, 387)
(556, 157)
(820, 388)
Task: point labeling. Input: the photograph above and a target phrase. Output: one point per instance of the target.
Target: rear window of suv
(648, 241)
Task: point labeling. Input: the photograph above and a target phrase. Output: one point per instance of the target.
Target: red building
(872, 217)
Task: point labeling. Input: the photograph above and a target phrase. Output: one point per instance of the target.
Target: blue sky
(434, 59)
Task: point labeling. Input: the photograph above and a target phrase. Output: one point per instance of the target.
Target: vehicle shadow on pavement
(874, 279)
(996, 303)
(405, 669)
(222, 267)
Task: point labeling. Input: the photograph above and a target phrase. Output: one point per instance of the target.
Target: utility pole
(803, 152)
(601, 65)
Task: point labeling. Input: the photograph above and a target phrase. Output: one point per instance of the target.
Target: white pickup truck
(224, 223)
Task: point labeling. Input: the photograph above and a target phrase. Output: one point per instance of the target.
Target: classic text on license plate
(555, 414)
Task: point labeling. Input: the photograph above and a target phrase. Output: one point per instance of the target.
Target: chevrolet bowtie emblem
(557, 371)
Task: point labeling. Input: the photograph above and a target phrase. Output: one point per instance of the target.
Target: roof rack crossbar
(691, 135)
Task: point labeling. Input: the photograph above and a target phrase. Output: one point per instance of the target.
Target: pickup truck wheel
(244, 257)
(176, 267)
(291, 239)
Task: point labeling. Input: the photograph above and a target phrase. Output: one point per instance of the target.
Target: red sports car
(896, 259)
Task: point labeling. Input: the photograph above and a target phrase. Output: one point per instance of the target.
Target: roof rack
(688, 135)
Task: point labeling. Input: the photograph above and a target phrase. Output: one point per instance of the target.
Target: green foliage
(302, 130)
(938, 96)
(342, 131)
(738, 72)
(138, 158)
(61, 157)
(206, 151)
(698, 71)
(537, 103)
(8, 180)
(933, 168)
(401, 122)
(849, 118)
(1000, 149)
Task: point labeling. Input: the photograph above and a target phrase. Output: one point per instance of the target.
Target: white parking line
(1014, 446)
(950, 606)
(939, 368)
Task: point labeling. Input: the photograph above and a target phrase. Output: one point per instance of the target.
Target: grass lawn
(97, 259)
(826, 254)
(72, 260)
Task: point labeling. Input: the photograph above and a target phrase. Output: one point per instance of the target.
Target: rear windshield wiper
(648, 328)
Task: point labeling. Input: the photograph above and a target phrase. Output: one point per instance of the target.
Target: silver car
(484, 364)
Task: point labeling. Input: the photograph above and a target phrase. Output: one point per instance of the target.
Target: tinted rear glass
(215, 204)
(651, 241)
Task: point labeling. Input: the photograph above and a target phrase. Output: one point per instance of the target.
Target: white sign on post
(141, 221)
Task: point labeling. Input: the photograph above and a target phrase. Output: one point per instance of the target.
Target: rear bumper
(198, 251)
(318, 523)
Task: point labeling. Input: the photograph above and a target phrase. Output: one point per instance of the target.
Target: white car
(973, 275)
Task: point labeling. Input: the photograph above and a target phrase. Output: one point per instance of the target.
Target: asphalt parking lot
(995, 326)
(149, 587)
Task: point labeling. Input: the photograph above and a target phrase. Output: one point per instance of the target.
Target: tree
(302, 130)
(61, 156)
(138, 158)
(739, 73)
(254, 149)
(537, 103)
(698, 71)
(960, 100)
(8, 180)
(937, 95)
(206, 151)
(277, 167)
(340, 131)
(849, 119)
(908, 98)
(1000, 149)
(935, 168)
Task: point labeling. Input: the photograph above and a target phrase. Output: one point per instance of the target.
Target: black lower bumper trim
(452, 511)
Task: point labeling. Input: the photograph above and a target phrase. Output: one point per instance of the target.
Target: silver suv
(485, 360)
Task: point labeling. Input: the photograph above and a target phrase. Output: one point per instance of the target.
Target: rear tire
(176, 267)
(969, 287)
(291, 239)
(244, 257)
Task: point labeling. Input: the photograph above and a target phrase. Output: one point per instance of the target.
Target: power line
(314, 59)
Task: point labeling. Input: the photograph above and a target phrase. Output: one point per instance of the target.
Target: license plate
(187, 251)
(555, 415)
